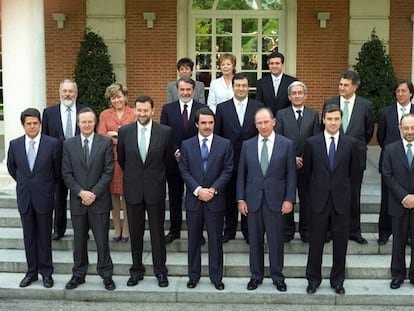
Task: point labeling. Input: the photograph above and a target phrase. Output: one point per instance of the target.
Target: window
(249, 29)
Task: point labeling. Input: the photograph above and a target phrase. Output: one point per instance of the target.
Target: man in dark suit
(330, 162)
(358, 122)
(60, 121)
(144, 148)
(297, 123)
(397, 168)
(235, 121)
(266, 190)
(272, 89)
(206, 165)
(87, 169)
(179, 116)
(33, 161)
(388, 132)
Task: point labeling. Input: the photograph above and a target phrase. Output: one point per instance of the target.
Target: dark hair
(186, 80)
(240, 76)
(30, 112)
(276, 55)
(205, 111)
(144, 99)
(84, 110)
(331, 108)
(351, 75)
(409, 85)
(185, 61)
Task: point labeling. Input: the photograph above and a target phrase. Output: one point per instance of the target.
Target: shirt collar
(271, 137)
(328, 136)
(350, 100)
(209, 137)
(90, 137)
(36, 139)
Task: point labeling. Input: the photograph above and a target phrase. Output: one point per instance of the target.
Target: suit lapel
(403, 156)
(324, 153)
(306, 119)
(291, 120)
(154, 137)
(270, 86)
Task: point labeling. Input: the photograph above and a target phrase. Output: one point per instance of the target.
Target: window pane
(203, 44)
(202, 4)
(224, 44)
(224, 26)
(249, 44)
(203, 61)
(272, 5)
(237, 5)
(203, 26)
(249, 25)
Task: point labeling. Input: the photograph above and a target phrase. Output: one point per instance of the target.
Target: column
(24, 71)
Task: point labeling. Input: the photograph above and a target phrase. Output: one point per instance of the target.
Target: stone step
(12, 238)
(235, 264)
(10, 218)
(364, 293)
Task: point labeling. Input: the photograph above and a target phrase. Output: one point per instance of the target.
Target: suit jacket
(398, 176)
(217, 175)
(144, 181)
(35, 187)
(52, 122)
(286, 125)
(199, 95)
(265, 92)
(94, 177)
(171, 116)
(228, 125)
(360, 126)
(279, 182)
(322, 181)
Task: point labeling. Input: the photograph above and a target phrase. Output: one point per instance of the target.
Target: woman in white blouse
(221, 89)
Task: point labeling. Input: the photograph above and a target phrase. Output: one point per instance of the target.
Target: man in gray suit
(144, 147)
(358, 122)
(185, 69)
(297, 123)
(87, 168)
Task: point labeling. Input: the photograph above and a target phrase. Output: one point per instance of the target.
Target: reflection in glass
(203, 44)
(272, 5)
(224, 44)
(249, 25)
(203, 26)
(237, 5)
(202, 4)
(249, 44)
(224, 27)
(203, 61)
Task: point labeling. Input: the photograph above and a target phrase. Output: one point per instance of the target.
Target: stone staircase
(367, 272)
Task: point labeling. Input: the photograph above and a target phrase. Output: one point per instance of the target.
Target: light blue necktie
(409, 154)
(31, 154)
(264, 157)
(276, 83)
(240, 113)
(69, 129)
(345, 117)
(143, 144)
(204, 153)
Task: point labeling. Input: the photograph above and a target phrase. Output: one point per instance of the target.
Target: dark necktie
(86, 151)
(299, 119)
(204, 153)
(409, 154)
(264, 157)
(332, 153)
(185, 116)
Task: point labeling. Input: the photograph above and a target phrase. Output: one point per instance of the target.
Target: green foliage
(377, 75)
(93, 71)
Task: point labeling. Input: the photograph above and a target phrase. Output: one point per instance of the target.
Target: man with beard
(144, 148)
(180, 116)
(60, 121)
